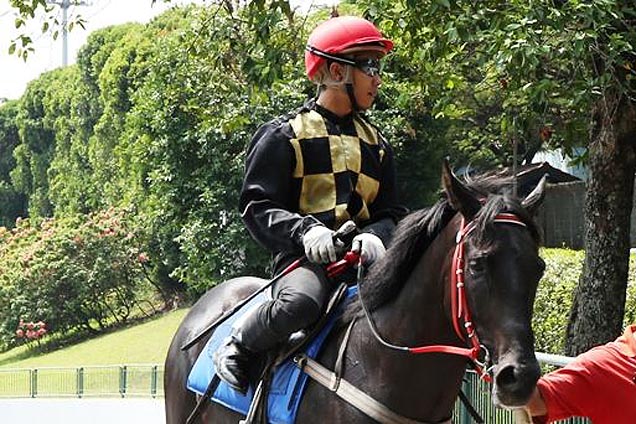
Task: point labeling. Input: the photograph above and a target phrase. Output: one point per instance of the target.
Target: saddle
(276, 392)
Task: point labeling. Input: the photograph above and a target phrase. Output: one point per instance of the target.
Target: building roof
(528, 176)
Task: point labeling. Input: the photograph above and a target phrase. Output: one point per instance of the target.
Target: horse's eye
(477, 265)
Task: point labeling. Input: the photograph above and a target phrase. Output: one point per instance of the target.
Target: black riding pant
(298, 301)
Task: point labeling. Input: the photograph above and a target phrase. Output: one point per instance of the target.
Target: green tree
(35, 152)
(81, 172)
(189, 125)
(12, 203)
(565, 65)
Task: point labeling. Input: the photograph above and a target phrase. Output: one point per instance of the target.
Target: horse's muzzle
(514, 382)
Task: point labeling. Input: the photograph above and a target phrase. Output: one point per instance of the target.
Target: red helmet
(340, 35)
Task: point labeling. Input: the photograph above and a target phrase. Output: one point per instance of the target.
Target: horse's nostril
(514, 382)
(506, 376)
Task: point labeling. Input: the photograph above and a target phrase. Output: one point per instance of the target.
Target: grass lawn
(144, 343)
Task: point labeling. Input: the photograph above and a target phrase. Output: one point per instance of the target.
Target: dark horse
(409, 297)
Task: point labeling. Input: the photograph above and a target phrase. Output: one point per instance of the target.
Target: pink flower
(142, 258)
(31, 330)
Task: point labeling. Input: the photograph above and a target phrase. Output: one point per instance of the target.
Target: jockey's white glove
(319, 246)
(369, 246)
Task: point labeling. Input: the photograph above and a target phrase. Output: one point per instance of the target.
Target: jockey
(307, 173)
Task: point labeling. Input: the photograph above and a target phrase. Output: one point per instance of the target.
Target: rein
(459, 306)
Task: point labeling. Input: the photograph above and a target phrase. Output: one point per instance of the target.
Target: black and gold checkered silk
(337, 173)
(315, 168)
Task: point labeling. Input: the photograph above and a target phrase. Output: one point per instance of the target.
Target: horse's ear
(535, 198)
(460, 198)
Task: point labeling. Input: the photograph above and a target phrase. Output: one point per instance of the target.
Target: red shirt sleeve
(567, 390)
(594, 385)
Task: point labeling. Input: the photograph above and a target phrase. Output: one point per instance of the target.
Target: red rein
(459, 305)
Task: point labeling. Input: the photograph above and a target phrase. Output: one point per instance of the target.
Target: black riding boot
(270, 324)
(231, 361)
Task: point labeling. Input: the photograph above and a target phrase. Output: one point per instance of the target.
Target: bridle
(461, 316)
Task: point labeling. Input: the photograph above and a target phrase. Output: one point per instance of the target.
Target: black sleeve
(266, 201)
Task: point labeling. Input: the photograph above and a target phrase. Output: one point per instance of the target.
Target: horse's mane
(415, 232)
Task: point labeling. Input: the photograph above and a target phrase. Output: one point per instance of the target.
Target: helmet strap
(352, 97)
(345, 85)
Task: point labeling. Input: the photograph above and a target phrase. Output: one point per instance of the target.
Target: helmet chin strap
(346, 85)
(348, 88)
(352, 97)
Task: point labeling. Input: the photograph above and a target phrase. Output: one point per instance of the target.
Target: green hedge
(554, 297)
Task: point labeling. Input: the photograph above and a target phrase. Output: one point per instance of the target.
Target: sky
(15, 73)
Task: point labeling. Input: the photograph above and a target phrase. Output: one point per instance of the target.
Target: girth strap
(352, 394)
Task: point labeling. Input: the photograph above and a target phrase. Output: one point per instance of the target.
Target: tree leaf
(444, 3)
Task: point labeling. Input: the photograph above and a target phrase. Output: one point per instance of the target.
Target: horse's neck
(422, 386)
(420, 313)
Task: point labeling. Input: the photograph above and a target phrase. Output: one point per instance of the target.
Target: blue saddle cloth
(288, 382)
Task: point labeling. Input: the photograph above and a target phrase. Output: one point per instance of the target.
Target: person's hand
(536, 406)
(369, 246)
(522, 416)
(318, 243)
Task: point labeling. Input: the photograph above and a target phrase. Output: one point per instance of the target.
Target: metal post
(65, 4)
(34, 382)
(80, 382)
(123, 376)
(153, 382)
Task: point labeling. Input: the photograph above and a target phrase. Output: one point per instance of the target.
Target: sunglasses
(370, 67)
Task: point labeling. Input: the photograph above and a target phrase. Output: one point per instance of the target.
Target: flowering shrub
(29, 331)
(83, 271)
